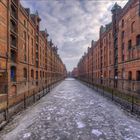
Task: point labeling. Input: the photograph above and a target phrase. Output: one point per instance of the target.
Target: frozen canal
(72, 111)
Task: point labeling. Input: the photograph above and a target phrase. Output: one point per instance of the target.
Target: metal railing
(124, 92)
(23, 94)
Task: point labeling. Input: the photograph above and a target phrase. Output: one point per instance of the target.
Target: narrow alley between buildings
(72, 111)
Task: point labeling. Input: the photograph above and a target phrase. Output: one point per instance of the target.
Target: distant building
(74, 73)
(69, 74)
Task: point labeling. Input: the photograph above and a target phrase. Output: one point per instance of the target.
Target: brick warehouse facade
(29, 63)
(114, 59)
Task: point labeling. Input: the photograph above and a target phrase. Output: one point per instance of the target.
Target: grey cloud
(72, 24)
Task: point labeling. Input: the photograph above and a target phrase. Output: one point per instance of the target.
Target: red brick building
(75, 73)
(114, 59)
(29, 63)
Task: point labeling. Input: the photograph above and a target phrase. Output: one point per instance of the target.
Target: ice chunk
(80, 124)
(26, 135)
(96, 132)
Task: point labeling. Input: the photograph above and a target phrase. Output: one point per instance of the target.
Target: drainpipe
(8, 49)
(28, 56)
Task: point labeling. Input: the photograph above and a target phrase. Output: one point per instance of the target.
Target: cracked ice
(72, 111)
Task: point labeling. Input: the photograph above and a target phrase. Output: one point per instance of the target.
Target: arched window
(13, 73)
(138, 75)
(138, 40)
(25, 73)
(129, 75)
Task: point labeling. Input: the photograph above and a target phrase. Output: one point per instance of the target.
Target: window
(36, 74)
(138, 40)
(129, 45)
(13, 11)
(13, 73)
(32, 55)
(24, 35)
(122, 23)
(132, 27)
(122, 57)
(129, 75)
(123, 73)
(25, 73)
(138, 75)
(13, 56)
(122, 46)
(37, 64)
(36, 77)
(123, 35)
(109, 36)
(32, 31)
(24, 23)
(122, 51)
(24, 47)
(40, 75)
(32, 42)
(104, 41)
(25, 57)
(32, 73)
(13, 41)
(13, 25)
(15, 1)
(36, 47)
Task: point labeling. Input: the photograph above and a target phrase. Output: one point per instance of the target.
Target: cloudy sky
(72, 24)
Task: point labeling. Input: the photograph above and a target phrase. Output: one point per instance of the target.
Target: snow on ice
(80, 124)
(72, 111)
